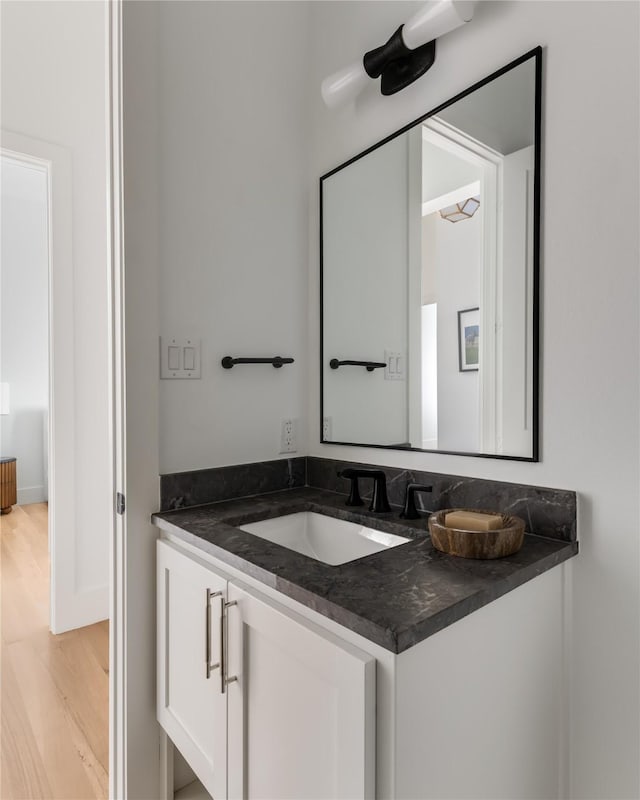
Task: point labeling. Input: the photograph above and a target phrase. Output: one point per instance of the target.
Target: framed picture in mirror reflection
(469, 339)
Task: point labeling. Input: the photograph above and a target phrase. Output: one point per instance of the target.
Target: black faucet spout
(354, 492)
(379, 500)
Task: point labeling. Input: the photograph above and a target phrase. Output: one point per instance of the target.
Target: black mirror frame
(535, 54)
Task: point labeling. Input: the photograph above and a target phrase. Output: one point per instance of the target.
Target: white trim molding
(117, 551)
(133, 257)
(31, 494)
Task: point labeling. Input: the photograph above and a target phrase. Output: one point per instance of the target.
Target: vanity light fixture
(408, 54)
(464, 210)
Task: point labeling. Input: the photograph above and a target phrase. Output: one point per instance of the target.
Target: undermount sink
(332, 541)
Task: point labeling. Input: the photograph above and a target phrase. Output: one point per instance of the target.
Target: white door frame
(447, 137)
(135, 736)
(55, 162)
(117, 565)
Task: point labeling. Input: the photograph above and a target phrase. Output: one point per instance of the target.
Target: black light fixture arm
(397, 64)
(410, 511)
(369, 365)
(277, 361)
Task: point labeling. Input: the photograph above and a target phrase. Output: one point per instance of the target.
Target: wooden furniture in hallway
(8, 492)
(54, 689)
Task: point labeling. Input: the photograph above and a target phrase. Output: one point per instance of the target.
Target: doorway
(54, 688)
(457, 274)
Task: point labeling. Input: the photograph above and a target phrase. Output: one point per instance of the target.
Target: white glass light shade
(4, 398)
(345, 85)
(434, 19)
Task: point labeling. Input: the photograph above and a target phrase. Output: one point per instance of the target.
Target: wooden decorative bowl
(497, 543)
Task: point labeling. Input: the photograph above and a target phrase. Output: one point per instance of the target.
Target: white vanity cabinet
(190, 705)
(260, 702)
(476, 710)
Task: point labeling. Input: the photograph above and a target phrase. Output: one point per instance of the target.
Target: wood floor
(54, 689)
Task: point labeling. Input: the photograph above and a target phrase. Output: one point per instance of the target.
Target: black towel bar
(277, 361)
(370, 365)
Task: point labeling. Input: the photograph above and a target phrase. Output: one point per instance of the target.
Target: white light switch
(394, 371)
(189, 358)
(174, 357)
(179, 358)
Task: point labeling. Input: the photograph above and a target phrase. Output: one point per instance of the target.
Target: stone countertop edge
(434, 590)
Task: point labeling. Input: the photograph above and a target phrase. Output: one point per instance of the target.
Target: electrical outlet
(326, 429)
(288, 442)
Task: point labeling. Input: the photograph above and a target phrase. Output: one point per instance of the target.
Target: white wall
(365, 278)
(215, 211)
(233, 211)
(24, 317)
(53, 89)
(590, 351)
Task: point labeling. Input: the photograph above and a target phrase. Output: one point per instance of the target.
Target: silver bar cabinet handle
(222, 638)
(224, 680)
(210, 666)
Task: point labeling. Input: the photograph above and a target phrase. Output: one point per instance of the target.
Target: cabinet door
(191, 705)
(301, 721)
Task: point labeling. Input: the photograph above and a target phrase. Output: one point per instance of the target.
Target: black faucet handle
(354, 493)
(410, 511)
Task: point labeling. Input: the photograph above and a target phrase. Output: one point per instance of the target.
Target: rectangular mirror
(429, 279)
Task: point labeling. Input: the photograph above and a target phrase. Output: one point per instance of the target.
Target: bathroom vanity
(293, 666)
(280, 676)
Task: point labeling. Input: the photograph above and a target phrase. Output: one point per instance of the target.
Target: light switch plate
(396, 365)
(179, 358)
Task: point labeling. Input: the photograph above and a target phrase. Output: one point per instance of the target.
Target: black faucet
(379, 501)
(410, 511)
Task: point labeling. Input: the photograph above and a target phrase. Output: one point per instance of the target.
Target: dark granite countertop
(395, 598)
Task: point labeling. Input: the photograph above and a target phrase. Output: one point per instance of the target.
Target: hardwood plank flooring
(54, 726)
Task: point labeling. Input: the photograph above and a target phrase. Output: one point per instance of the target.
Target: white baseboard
(31, 494)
